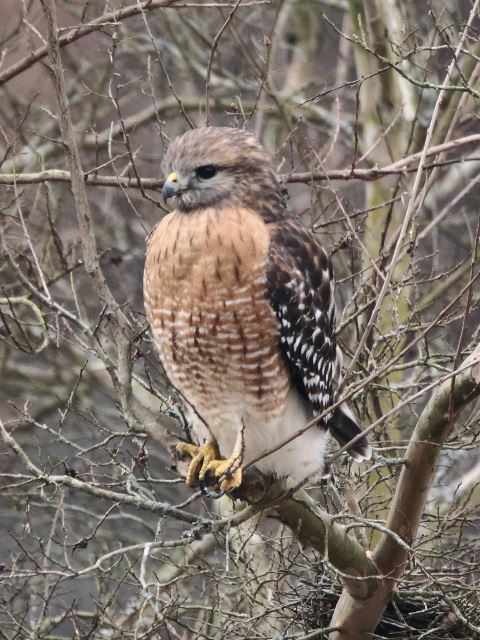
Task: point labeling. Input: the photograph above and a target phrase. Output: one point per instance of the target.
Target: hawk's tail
(343, 428)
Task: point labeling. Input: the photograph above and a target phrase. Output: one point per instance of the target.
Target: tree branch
(357, 618)
(80, 31)
(117, 326)
(315, 528)
(400, 167)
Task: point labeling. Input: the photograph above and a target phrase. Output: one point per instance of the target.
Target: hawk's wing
(301, 290)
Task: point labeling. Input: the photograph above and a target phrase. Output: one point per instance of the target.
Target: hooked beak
(170, 187)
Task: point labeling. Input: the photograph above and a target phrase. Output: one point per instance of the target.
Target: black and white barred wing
(301, 288)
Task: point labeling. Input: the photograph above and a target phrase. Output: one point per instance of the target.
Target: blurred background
(342, 94)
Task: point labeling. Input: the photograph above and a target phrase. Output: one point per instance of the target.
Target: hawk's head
(215, 166)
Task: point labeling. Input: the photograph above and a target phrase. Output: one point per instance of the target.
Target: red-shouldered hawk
(240, 300)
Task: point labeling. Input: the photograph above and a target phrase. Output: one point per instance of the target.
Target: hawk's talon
(208, 468)
(227, 472)
(185, 450)
(200, 459)
(232, 482)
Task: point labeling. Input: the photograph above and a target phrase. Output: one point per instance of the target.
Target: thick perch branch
(311, 525)
(357, 618)
(315, 528)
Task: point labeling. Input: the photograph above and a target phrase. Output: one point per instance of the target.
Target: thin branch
(401, 167)
(81, 30)
(425, 446)
(412, 203)
(136, 500)
(210, 60)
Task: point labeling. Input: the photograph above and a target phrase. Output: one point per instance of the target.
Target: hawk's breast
(214, 329)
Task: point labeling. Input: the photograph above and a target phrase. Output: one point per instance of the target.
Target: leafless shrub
(371, 112)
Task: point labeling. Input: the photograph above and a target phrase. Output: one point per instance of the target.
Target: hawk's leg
(228, 472)
(201, 457)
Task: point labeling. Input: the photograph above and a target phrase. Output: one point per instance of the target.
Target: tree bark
(357, 618)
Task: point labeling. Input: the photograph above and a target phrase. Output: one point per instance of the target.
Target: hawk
(240, 301)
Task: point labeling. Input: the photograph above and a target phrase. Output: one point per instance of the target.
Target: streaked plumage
(239, 297)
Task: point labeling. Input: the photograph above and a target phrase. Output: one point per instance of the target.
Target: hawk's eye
(206, 172)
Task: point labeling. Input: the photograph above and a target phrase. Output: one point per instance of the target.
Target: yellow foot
(206, 466)
(228, 472)
(201, 457)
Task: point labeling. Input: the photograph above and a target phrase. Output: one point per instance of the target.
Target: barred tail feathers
(343, 427)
